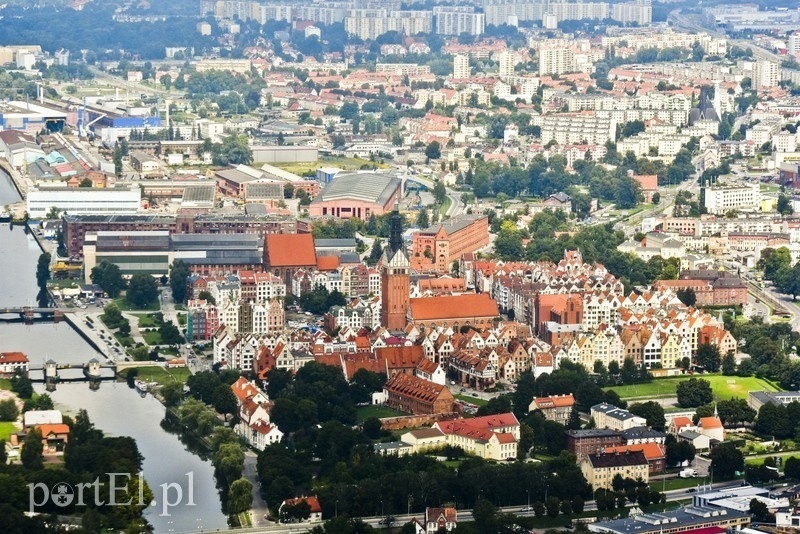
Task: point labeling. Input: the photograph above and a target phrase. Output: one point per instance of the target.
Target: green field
(146, 320)
(347, 164)
(152, 337)
(123, 304)
(161, 375)
(5, 383)
(365, 412)
(676, 483)
(6, 429)
(724, 387)
(472, 400)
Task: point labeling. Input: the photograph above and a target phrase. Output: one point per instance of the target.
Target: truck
(688, 473)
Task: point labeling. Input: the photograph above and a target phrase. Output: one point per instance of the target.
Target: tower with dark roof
(395, 277)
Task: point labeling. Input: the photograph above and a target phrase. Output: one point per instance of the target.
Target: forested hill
(94, 28)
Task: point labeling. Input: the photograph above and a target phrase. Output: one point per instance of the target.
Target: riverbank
(20, 183)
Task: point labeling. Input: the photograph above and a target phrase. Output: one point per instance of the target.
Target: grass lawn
(161, 375)
(6, 429)
(445, 206)
(347, 164)
(365, 412)
(5, 383)
(182, 319)
(146, 320)
(724, 387)
(152, 337)
(125, 341)
(472, 400)
(124, 305)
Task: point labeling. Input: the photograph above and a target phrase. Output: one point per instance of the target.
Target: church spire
(395, 228)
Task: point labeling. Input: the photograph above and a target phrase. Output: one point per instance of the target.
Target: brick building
(478, 310)
(285, 254)
(411, 394)
(592, 440)
(655, 453)
(446, 242)
(711, 287)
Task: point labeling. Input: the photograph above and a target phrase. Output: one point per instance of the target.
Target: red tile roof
(327, 263)
(46, 430)
(447, 307)
(13, 357)
(417, 388)
(652, 451)
(290, 250)
(710, 422)
(554, 401)
(313, 502)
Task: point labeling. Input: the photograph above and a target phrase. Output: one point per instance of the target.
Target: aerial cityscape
(413, 267)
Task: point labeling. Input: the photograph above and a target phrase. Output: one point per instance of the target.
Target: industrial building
(83, 200)
(357, 194)
(30, 117)
(152, 252)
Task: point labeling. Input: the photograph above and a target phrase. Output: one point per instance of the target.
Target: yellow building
(600, 469)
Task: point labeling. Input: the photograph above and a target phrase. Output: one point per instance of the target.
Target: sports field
(724, 387)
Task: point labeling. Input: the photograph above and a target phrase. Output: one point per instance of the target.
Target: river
(114, 408)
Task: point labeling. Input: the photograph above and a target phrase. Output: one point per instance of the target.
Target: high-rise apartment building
(455, 20)
(461, 66)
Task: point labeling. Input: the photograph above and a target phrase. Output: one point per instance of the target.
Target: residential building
(592, 440)
(13, 362)
(655, 453)
(455, 20)
(556, 408)
(721, 199)
(461, 68)
(555, 60)
(313, 505)
(600, 469)
(491, 437)
(609, 416)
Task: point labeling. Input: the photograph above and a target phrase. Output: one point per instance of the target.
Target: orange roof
(327, 263)
(681, 422)
(290, 250)
(649, 182)
(13, 357)
(397, 357)
(48, 429)
(710, 422)
(554, 401)
(313, 502)
(449, 307)
(652, 451)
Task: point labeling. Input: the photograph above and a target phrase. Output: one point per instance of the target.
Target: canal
(114, 407)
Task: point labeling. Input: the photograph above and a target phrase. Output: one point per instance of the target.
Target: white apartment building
(455, 20)
(242, 66)
(720, 199)
(638, 11)
(461, 66)
(579, 128)
(555, 60)
(507, 60)
(370, 23)
(766, 74)
(578, 10)
(83, 200)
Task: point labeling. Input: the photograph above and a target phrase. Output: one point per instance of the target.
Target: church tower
(395, 280)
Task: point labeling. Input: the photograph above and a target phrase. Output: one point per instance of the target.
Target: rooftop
(369, 186)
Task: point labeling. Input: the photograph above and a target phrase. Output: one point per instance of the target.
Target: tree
(784, 205)
(142, 290)
(109, 277)
(207, 296)
(376, 252)
(726, 460)
(170, 335)
(240, 496)
(694, 392)
(485, 515)
(433, 150)
(117, 158)
(729, 364)
(687, 296)
(178, 279)
(439, 191)
(708, 357)
(422, 218)
(224, 400)
(735, 411)
(42, 276)
(760, 512)
(652, 411)
(8, 410)
(234, 150)
(172, 394)
(508, 245)
(32, 448)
